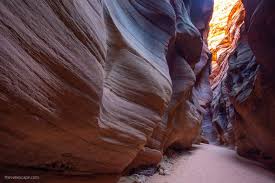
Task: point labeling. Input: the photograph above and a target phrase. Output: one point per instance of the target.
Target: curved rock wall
(255, 104)
(245, 105)
(100, 86)
(223, 41)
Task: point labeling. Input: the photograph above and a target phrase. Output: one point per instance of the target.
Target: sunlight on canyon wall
(224, 11)
(218, 22)
(225, 26)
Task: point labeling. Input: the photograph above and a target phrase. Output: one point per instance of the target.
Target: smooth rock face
(247, 105)
(51, 78)
(100, 86)
(218, 110)
(257, 110)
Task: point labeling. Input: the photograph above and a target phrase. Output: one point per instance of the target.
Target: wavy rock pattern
(216, 123)
(256, 104)
(100, 86)
(245, 105)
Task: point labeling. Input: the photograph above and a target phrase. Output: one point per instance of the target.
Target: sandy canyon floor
(213, 164)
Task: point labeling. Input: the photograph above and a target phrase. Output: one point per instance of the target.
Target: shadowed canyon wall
(223, 40)
(97, 87)
(243, 103)
(93, 87)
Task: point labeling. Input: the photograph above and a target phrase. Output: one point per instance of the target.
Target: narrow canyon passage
(95, 91)
(214, 164)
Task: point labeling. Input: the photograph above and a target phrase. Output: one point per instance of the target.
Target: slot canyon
(137, 91)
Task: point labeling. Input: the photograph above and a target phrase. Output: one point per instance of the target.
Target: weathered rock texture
(222, 39)
(98, 86)
(245, 99)
(220, 106)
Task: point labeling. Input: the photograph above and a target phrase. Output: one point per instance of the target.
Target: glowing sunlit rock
(225, 26)
(220, 24)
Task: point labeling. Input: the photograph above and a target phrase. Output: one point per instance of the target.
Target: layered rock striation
(244, 102)
(91, 87)
(222, 47)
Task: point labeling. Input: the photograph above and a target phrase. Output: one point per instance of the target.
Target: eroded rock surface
(244, 101)
(100, 86)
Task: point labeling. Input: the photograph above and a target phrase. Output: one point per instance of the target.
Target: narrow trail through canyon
(209, 163)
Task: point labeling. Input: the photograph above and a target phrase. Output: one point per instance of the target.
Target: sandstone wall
(100, 86)
(247, 101)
